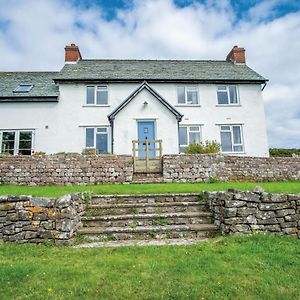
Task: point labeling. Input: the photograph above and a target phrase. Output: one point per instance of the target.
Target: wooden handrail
(146, 143)
(150, 153)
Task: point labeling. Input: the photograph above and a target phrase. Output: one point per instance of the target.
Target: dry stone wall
(25, 219)
(30, 219)
(65, 169)
(72, 169)
(250, 212)
(203, 168)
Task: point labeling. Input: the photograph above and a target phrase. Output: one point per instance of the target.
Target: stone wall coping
(65, 155)
(147, 195)
(230, 156)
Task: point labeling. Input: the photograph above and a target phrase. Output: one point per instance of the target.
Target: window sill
(228, 105)
(187, 105)
(94, 105)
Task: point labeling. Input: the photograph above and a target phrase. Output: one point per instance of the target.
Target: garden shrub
(282, 152)
(203, 148)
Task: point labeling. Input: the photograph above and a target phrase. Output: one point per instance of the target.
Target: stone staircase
(146, 217)
(147, 178)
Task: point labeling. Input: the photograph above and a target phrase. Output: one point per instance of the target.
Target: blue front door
(146, 131)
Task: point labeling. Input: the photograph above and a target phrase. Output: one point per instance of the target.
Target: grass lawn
(55, 191)
(257, 267)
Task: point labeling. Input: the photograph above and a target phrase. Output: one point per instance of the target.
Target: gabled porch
(141, 125)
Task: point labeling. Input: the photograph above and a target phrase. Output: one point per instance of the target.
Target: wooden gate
(147, 156)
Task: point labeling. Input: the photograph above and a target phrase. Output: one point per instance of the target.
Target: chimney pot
(237, 55)
(72, 53)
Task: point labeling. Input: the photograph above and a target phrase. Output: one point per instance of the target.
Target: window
(90, 96)
(231, 138)
(23, 88)
(188, 135)
(16, 142)
(187, 95)
(227, 94)
(97, 137)
(97, 95)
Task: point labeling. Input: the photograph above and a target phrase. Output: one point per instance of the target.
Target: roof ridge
(147, 60)
(29, 72)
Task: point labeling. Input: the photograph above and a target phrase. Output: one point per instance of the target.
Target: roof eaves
(115, 80)
(40, 99)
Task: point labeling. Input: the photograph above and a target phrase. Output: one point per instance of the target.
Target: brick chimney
(237, 55)
(72, 53)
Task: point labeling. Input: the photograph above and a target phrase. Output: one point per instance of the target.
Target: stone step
(143, 198)
(129, 243)
(144, 208)
(133, 220)
(147, 178)
(148, 232)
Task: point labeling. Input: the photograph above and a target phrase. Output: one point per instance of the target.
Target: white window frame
(95, 95)
(186, 87)
(188, 134)
(95, 136)
(228, 95)
(232, 139)
(17, 139)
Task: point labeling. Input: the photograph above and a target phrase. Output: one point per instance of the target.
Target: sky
(33, 34)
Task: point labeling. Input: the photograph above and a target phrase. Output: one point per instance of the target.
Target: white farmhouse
(106, 104)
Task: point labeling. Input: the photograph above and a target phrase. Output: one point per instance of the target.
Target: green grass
(56, 191)
(257, 267)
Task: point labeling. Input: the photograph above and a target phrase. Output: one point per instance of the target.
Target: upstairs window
(16, 142)
(231, 138)
(227, 94)
(23, 88)
(188, 135)
(97, 95)
(187, 95)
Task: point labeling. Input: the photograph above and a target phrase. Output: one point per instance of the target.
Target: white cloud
(36, 32)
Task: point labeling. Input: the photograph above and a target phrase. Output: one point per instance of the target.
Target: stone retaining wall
(249, 212)
(29, 219)
(36, 220)
(65, 169)
(203, 168)
(72, 169)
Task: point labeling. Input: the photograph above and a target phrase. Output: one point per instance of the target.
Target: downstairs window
(188, 135)
(16, 142)
(97, 138)
(231, 138)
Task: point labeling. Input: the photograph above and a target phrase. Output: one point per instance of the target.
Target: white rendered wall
(67, 119)
(126, 129)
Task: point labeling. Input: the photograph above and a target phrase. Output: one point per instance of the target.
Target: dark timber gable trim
(146, 86)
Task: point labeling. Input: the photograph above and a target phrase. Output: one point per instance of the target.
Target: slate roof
(44, 88)
(157, 70)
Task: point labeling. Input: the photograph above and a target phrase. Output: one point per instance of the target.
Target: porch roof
(145, 85)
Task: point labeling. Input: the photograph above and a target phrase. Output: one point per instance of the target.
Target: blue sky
(240, 7)
(33, 35)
